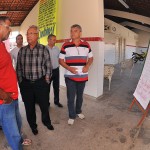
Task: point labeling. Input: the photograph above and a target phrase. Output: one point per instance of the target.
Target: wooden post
(145, 112)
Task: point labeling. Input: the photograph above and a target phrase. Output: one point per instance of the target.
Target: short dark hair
(18, 35)
(77, 26)
(51, 35)
(3, 19)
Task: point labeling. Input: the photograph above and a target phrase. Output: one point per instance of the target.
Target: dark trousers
(74, 90)
(55, 81)
(32, 92)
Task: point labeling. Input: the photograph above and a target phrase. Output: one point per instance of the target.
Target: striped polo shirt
(76, 56)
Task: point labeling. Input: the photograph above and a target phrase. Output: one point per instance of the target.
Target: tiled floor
(108, 124)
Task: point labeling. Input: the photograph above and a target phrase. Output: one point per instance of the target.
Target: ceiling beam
(137, 26)
(126, 15)
(11, 10)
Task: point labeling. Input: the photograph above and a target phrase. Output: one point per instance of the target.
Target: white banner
(142, 92)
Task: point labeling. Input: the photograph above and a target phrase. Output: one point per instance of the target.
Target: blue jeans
(74, 89)
(10, 120)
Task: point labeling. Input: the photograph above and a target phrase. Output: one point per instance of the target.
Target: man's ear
(80, 34)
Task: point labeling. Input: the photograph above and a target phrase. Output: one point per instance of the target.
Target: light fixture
(3, 12)
(124, 4)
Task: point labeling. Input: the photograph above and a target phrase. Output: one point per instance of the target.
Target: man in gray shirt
(14, 51)
(54, 54)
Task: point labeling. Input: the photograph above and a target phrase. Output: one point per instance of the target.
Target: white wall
(129, 51)
(17, 28)
(110, 41)
(87, 13)
(110, 48)
(31, 19)
(143, 40)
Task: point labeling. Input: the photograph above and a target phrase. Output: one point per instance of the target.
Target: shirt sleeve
(19, 66)
(62, 53)
(90, 54)
(48, 64)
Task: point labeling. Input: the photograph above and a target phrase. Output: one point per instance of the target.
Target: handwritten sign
(142, 91)
(47, 19)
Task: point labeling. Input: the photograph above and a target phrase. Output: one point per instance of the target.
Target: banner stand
(145, 112)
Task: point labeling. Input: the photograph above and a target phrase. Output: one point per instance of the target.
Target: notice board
(142, 91)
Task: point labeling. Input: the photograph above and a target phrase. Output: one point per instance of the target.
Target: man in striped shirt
(34, 72)
(76, 57)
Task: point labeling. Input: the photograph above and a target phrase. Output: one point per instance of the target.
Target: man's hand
(73, 70)
(6, 97)
(85, 69)
(47, 79)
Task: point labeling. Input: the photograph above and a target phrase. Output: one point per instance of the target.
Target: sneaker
(71, 121)
(81, 116)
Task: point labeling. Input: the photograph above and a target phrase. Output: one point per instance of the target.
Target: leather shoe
(35, 131)
(50, 127)
(59, 105)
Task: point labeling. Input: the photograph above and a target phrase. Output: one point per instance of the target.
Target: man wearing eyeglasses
(34, 72)
(10, 118)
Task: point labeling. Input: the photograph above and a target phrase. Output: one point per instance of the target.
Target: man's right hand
(73, 70)
(6, 96)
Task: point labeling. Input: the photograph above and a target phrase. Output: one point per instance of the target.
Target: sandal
(27, 142)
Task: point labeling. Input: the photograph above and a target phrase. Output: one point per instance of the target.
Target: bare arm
(48, 65)
(5, 96)
(88, 64)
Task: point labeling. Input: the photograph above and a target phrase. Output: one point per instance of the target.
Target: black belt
(33, 81)
(55, 69)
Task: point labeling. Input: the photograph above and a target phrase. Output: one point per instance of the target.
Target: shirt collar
(37, 45)
(73, 42)
(50, 47)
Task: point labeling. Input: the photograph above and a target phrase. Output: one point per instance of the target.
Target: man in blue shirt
(54, 54)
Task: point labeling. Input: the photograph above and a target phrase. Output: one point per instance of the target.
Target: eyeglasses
(6, 26)
(31, 34)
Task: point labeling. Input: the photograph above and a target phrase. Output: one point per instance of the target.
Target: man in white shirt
(54, 54)
(76, 57)
(14, 51)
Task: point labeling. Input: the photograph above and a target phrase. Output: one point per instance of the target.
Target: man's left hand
(85, 69)
(47, 79)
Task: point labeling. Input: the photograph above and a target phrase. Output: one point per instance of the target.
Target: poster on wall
(142, 91)
(47, 19)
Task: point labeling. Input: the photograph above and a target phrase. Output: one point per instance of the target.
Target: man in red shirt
(10, 118)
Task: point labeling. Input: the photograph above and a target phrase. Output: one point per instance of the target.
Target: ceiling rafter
(17, 10)
(138, 12)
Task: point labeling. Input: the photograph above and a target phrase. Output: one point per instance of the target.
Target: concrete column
(90, 15)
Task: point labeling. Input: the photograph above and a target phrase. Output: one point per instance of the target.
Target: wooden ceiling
(140, 7)
(17, 10)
